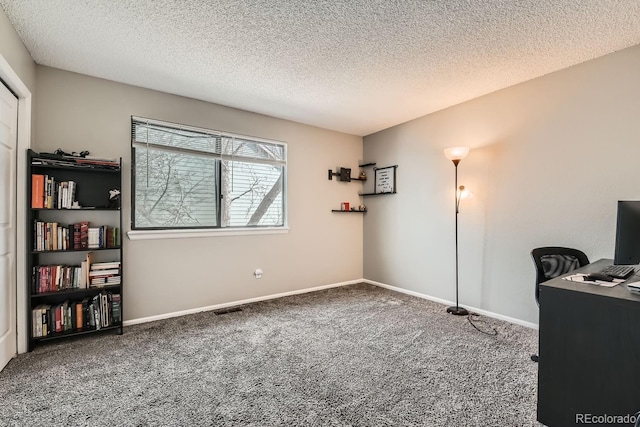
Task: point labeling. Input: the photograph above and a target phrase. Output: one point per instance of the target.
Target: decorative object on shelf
(61, 152)
(384, 182)
(114, 198)
(456, 154)
(344, 175)
(345, 206)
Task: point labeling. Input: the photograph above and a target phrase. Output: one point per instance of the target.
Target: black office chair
(554, 261)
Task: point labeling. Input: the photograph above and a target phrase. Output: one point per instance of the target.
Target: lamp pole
(456, 154)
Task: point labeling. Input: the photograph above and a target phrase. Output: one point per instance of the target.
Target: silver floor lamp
(456, 154)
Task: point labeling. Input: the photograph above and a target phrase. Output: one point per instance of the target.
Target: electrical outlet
(258, 273)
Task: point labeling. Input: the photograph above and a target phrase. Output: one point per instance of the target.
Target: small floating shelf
(377, 194)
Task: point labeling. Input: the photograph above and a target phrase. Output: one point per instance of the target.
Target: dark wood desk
(589, 350)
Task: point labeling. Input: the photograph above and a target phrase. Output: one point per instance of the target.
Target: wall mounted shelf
(344, 175)
(384, 181)
(377, 194)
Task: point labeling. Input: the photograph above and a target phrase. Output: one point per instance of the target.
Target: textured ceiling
(356, 66)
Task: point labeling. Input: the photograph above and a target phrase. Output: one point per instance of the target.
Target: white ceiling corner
(355, 66)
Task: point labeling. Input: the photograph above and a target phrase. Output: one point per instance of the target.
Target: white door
(8, 142)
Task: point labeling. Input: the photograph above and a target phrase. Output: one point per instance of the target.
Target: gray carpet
(352, 356)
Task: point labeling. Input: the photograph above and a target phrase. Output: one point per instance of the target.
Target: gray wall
(76, 112)
(12, 49)
(549, 159)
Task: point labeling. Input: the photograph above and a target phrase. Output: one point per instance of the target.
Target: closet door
(8, 143)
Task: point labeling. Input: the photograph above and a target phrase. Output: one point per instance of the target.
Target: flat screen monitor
(628, 233)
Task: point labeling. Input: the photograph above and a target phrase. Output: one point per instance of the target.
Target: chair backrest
(554, 261)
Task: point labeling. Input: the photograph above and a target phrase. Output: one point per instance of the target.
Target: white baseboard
(235, 303)
(445, 302)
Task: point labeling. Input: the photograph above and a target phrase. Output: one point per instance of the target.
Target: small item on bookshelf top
(114, 198)
(59, 152)
(74, 159)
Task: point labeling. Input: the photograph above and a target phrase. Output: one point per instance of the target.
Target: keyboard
(619, 271)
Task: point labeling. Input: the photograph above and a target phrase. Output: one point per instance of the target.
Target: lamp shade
(455, 154)
(463, 192)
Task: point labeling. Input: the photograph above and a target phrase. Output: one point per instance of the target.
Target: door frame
(17, 86)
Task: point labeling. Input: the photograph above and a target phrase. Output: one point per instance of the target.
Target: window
(185, 177)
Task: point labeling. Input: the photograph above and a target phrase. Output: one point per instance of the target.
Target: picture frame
(385, 180)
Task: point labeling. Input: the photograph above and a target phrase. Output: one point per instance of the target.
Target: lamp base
(458, 311)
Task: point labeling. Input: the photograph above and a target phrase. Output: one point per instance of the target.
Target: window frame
(137, 232)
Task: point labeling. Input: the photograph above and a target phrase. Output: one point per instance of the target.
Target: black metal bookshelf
(93, 182)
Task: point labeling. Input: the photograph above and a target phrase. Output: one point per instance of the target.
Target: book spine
(34, 323)
(34, 279)
(45, 324)
(54, 235)
(67, 320)
(79, 316)
(58, 318)
(115, 308)
(50, 193)
(93, 237)
(76, 236)
(96, 313)
(37, 191)
(37, 235)
(84, 234)
(41, 278)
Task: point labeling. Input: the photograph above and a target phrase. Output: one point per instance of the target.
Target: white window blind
(186, 177)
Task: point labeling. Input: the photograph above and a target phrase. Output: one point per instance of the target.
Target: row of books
(97, 312)
(52, 236)
(101, 237)
(46, 193)
(55, 278)
(73, 161)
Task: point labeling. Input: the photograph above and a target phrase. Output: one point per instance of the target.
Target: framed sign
(385, 181)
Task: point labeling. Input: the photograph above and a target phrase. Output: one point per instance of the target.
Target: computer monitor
(628, 233)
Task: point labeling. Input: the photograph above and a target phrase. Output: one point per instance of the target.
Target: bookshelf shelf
(76, 168)
(57, 335)
(62, 302)
(377, 194)
(83, 291)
